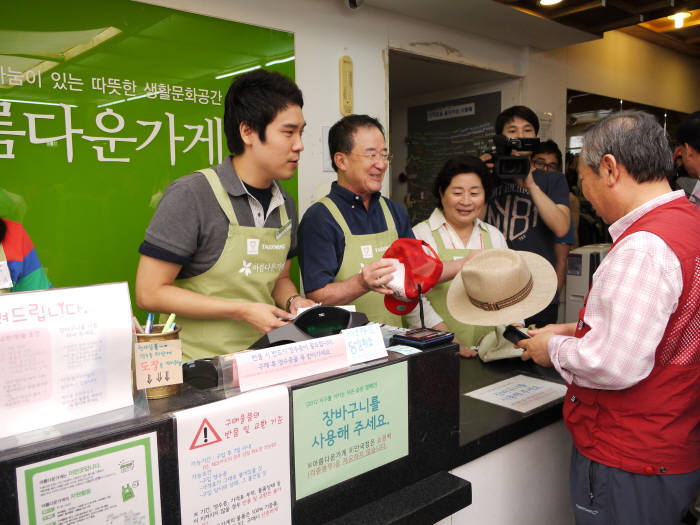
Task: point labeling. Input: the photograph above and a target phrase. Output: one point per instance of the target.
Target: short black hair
(523, 112)
(340, 135)
(3, 229)
(256, 98)
(549, 146)
(455, 166)
(688, 131)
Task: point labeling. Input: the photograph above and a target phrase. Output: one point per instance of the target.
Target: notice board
(102, 105)
(439, 131)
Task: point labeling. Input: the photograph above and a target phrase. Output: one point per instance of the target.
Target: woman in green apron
(454, 229)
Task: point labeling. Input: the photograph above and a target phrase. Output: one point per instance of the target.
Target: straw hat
(501, 286)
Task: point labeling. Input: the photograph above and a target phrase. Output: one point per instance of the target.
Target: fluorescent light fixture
(36, 102)
(237, 72)
(130, 99)
(678, 18)
(549, 2)
(280, 61)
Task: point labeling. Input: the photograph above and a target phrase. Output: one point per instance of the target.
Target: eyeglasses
(374, 157)
(540, 164)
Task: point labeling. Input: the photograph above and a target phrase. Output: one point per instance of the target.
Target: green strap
(335, 213)
(221, 194)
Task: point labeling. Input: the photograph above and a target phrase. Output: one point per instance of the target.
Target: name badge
(5, 277)
(284, 229)
(252, 246)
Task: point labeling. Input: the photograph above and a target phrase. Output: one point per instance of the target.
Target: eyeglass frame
(374, 157)
(551, 166)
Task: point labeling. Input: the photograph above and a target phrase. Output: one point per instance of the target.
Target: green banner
(101, 106)
(349, 426)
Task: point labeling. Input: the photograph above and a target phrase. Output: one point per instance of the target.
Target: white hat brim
(544, 287)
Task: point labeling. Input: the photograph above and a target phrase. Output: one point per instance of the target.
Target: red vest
(652, 427)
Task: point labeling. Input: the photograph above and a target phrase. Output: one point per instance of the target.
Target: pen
(149, 323)
(137, 325)
(173, 327)
(169, 323)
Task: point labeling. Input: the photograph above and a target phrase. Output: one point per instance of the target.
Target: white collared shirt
(451, 239)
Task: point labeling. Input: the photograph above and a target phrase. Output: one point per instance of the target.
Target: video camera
(507, 166)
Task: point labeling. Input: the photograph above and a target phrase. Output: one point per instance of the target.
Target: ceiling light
(678, 18)
(549, 2)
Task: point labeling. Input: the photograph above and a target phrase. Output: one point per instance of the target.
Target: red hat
(416, 263)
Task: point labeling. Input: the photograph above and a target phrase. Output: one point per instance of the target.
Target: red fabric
(654, 426)
(423, 266)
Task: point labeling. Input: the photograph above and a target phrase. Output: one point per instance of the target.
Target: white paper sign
(114, 483)
(233, 458)
(66, 354)
(364, 343)
(522, 393)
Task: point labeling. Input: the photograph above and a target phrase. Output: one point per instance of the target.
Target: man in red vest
(632, 362)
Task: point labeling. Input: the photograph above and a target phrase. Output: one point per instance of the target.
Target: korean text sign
(133, 100)
(233, 458)
(114, 483)
(348, 426)
(66, 355)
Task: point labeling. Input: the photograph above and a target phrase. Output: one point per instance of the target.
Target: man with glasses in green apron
(343, 236)
(219, 247)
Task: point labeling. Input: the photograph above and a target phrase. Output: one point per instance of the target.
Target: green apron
(468, 335)
(3, 259)
(247, 270)
(361, 250)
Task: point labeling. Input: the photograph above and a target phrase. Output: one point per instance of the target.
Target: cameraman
(532, 211)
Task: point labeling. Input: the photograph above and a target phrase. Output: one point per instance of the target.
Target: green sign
(349, 426)
(101, 106)
(113, 483)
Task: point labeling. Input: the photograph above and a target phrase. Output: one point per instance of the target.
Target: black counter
(485, 427)
(446, 429)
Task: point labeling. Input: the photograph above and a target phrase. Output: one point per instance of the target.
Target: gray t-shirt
(190, 228)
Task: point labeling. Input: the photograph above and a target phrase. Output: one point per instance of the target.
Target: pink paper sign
(277, 364)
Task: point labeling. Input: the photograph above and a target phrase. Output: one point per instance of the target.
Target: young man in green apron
(343, 236)
(219, 247)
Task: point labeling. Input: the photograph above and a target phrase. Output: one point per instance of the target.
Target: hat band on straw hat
(505, 303)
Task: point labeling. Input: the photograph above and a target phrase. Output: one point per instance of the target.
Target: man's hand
(535, 348)
(264, 317)
(376, 274)
(300, 302)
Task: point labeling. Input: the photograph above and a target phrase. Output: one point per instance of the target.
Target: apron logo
(284, 229)
(366, 251)
(253, 246)
(245, 270)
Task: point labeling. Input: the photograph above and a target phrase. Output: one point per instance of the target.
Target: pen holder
(157, 334)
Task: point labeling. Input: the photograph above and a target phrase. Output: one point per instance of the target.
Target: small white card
(364, 343)
(5, 277)
(522, 393)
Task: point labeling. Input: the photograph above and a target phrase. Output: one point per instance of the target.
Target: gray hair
(635, 139)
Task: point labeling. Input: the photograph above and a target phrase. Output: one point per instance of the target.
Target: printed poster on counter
(66, 355)
(348, 426)
(233, 458)
(114, 483)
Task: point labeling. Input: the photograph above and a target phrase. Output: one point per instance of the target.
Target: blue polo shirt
(321, 242)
